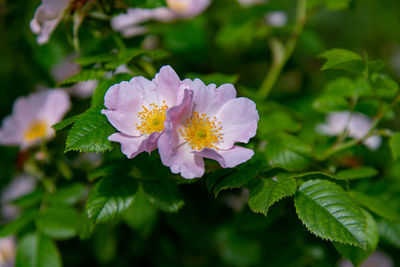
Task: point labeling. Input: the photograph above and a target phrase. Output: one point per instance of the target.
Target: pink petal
(56, 105)
(168, 85)
(209, 99)
(123, 121)
(238, 119)
(10, 132)
(228, 158)
(187, 163)
(132, 146)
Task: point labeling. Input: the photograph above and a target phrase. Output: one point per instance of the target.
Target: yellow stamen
(202, 132)
(36, 130)
(152, 118)
(177, 5)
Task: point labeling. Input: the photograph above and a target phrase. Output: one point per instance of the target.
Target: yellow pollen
(202, 132)
(152, 118)
(36, 130)
(177, 5)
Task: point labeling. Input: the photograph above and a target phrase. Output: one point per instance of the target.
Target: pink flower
(47, 17)
(208, 126)
(32, 118)
(129, 24)
(137, 109)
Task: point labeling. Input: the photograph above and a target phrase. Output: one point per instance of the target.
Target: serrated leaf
(315, 175)
(213, 178)
(358, 255)
(85, 75)
(12, 228)
(389, 231)
(357, 173)
(124, 56)
(90, 132)
(37, 250)
(330, 103)
(104, 85)
(265, 192)
(375, 205)
(235, 179)
(394, 144)
(58, 222)
(343, 59)
(65, 123)
(110, 197)
(89, 60)
(330, 213)
(163, 194)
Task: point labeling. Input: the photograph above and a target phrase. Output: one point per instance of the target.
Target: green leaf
(85, 227)
(90, 132)
(89, 60)
(277, 120)
(216, 78)
(265, 192)
(65, 123)
(101, 172)
(347, 88)
(104, 85)
(394, 144)
(358, 255)
(163, 194)
(343, 59)
(329, 212)
(58, 222)
(375, 205)
(389, 231)
(385, 86)
(37, 250)
(337, 4)
(28, 200)
(110, 197)
(330, 103)
(357, 173)
(85, 75)
(235, 179)
(15, 226)
(141, 215)
(70, 195)
(124, 56)
(315, 175)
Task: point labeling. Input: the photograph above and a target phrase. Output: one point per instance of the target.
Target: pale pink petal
(132, 146)
(164, 14)
(188, 8)
(209, 99)
(168, 85)
(123, 121)
(133, 17)
(228, 158)
(83, 89)
(373, 142)
(10, 132)
(170, 139)
(56, 105)
(238, 119)
(188, 164)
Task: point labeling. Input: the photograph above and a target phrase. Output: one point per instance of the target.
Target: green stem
(280, 53)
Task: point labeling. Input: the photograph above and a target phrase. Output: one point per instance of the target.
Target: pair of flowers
(186, 120)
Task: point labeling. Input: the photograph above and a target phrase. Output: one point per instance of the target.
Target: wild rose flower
(47, 17)
(208, 126)
(356, 124)
(137, 109)
(129, 24)
(33, 117)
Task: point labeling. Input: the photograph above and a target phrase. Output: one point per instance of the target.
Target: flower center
(178, 5)
(202, 132)
(152, 118)
(36, 130)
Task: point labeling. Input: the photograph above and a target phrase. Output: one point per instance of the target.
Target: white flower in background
(276, 19)
(247, 3)
(69, 68)
(377, 259)
(47, 16)
(129, 24)
(32, 118)
(356, 124)
(8, 250)
(18, 187)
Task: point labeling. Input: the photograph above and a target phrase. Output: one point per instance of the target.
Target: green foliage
(69, 195)
(394, 144)
(104, 85)
(377, 206)
(329, 212)
(90, 132)
(357, 173)
(58, 222)
(65, 123)
(343, 59)
(330, 103)
(358, 255)
(85, 75)
(389, 231)
(163, 194)
(265, 192)
(37, 250)
(278, 120)
(15, 226)
(110, 197)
